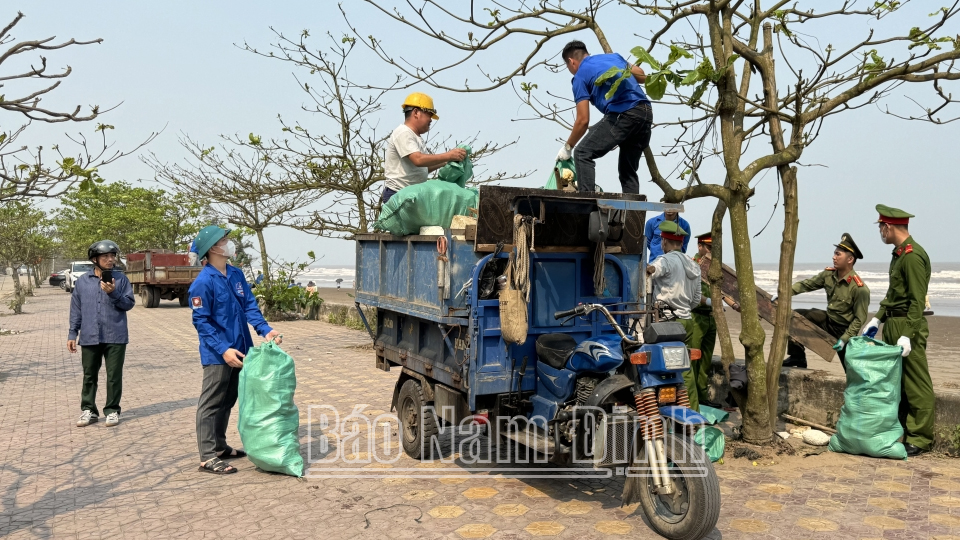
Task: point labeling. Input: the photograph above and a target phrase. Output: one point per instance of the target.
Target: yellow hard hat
(421, 101)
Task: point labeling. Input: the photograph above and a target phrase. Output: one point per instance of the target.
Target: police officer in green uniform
(901, 312)
(704, 332)
(848, 301)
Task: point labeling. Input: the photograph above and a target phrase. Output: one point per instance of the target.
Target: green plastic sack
(457, 172)
(269, 420)
(561, 165)
(713, 416)
(868, 423)
(431, 203)
(712, 441)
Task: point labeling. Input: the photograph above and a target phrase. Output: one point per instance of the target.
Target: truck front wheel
(418, 426)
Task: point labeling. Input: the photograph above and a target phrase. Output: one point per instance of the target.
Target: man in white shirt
(676, 282)
(408, 162)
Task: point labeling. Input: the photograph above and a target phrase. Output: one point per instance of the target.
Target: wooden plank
(801, 330)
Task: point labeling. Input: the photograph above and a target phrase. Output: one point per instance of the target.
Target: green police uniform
(702, 335)
(901, 311)
(848, 300)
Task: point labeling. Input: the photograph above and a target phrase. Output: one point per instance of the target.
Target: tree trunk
(264, 260)
(18, 295)
(788, 248)
(756, 421)
(36, 275)
(715, 277)
(29, 284)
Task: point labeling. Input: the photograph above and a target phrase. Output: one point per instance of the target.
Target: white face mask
(228, 250)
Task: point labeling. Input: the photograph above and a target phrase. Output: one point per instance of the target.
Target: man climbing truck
(408, 161)
(627, 117)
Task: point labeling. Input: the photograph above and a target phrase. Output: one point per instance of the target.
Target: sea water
(943, 292)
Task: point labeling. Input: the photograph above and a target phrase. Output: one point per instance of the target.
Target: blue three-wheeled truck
(598, 378)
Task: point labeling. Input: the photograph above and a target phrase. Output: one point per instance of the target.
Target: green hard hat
(207, 237)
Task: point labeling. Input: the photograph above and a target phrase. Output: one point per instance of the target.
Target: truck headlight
(675, 358)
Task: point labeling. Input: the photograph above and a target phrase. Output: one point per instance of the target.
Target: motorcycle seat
(555, 349)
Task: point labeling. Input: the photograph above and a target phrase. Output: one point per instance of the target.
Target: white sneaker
(113, 419)
(87, 418)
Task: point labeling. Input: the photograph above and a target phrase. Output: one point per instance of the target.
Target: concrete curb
(817, 396)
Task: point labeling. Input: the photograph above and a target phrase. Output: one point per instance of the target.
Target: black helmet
(102, 248)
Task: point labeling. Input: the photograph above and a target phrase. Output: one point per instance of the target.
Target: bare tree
(241, 182)
(727, 74)
(340, 159)
(36, 172)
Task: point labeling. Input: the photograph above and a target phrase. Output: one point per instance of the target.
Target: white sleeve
(406, 142)
(659, 269)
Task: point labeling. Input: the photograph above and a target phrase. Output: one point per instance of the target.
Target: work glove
(838, 346)
(870, 330)
(710, 302)
(565, 152)
(904, 343)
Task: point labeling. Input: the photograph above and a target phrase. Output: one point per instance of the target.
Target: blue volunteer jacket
(222, 307)
(654, 242)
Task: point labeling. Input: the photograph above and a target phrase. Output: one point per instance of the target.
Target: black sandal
(228, 453)
(217, 466)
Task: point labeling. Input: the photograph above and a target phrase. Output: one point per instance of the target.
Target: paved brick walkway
(139, 479)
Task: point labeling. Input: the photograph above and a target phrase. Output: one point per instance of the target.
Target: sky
(176, 66)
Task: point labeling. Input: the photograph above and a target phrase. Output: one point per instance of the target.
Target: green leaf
(656, 86)
(698, 93)
(677, 53)
(643, 57)
(254, 140)
(616, 84)
(607, 75)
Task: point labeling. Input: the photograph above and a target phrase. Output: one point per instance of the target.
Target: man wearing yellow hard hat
(408, 161)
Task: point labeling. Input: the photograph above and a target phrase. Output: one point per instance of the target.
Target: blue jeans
(630, 130)
(387, 193)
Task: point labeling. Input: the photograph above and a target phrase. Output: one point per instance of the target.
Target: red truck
(160, 274)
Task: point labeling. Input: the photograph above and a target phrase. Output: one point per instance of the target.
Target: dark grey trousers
(217, 397)
(630, 130)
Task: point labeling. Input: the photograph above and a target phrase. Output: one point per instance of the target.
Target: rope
(521, 260)
(599, 279)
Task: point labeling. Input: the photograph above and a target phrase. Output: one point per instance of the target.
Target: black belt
(896, 314)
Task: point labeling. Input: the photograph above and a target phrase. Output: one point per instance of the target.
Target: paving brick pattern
(140, 480)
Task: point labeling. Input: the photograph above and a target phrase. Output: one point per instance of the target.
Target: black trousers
(92, 357)
(630, 130)
(217, 397)
(819, 318)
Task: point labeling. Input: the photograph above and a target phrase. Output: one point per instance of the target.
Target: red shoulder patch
(858, 280)
(197, 302)
(830, 268)
(908, 249)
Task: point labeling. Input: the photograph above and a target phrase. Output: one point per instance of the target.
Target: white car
(77, 269)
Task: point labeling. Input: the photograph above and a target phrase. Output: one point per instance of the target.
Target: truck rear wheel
(149, 296)
(418, 427)
(184, 301)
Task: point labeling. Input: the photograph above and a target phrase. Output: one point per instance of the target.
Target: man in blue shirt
(222, 305)
(652, 233)
(98, 323)
(627, 117)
